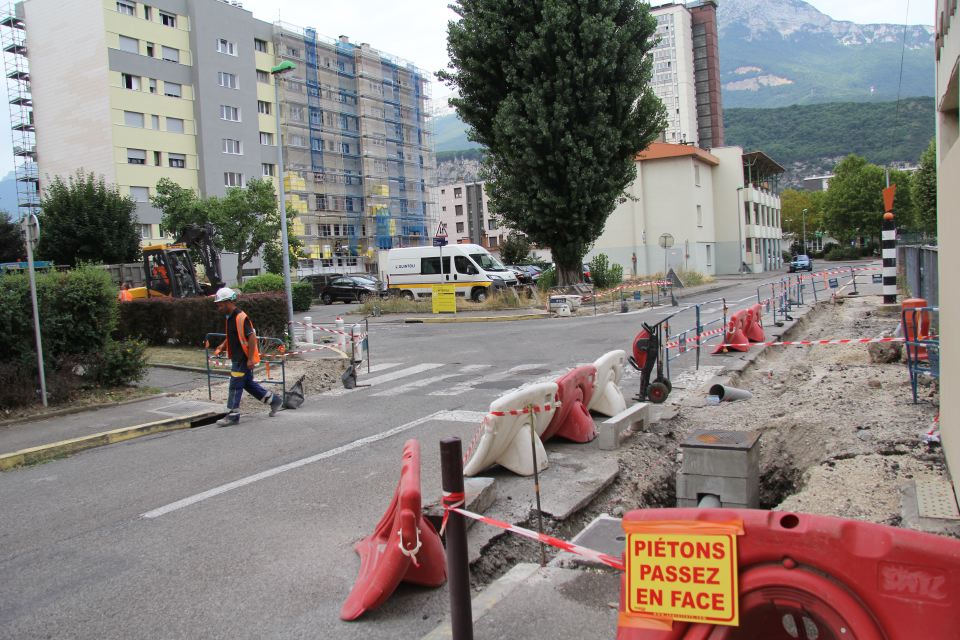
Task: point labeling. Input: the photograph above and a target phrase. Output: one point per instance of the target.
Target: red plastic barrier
(754, 328)
(387, 555)
(734, 338)
(917, 323)
(572, 420)
(806, 576)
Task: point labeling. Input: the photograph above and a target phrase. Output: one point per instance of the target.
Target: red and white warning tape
(453, 502)
(694, 339)
(809, 343)
(933, 434)
(629, 285)
(528, 409)
(316, 327)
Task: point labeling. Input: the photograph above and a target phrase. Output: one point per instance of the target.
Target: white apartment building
(464, 208)
(717, 210)
(673, 77)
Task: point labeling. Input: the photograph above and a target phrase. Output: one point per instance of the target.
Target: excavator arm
(200, 239)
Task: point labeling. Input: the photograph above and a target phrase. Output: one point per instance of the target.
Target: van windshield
(487, 262)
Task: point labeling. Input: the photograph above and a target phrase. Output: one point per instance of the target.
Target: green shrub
(843, 253)
(187, 321)
(302, 296)
(548, 280)
(121, 362)
(615, 274)
(604, 275)
(264, 282)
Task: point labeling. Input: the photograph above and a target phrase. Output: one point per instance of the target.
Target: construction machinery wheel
(657, 393)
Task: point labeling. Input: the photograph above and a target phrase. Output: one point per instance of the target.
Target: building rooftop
(664, 150)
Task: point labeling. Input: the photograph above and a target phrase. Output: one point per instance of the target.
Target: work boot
(229, 420)
(275, 404)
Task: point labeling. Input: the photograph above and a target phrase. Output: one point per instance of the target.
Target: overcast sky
(416, 30)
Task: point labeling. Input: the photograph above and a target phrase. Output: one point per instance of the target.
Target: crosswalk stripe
(387, 377)
(468, 385)
(419, 384)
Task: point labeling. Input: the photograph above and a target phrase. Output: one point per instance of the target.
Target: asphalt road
(247, 532)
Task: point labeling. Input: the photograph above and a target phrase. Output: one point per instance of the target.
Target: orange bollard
(917, 323)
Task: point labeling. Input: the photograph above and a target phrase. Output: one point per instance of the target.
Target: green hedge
(262, 283)
(302, 296)
(187, 321)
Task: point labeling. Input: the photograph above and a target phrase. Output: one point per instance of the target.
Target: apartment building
(948, 226)
(465, 209)
(708, 211)
(686, 72)
(182, 89)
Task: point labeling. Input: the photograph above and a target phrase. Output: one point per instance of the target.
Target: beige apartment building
(948, 224)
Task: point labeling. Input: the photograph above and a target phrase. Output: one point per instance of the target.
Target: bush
(843, 253)
(187, 321)
(264, 282)
(121, 362)
(548, 280)
(302, 296)
(603, 274)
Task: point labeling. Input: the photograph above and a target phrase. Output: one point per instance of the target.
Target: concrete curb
(487, 599)
(527, 316)
(44, 452)
(177, 367)
(72, 410)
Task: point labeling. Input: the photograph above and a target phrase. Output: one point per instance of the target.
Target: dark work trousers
(241, 377)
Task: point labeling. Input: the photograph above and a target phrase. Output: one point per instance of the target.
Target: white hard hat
(225, 294)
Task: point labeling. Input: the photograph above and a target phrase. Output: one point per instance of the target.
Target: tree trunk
(569, 265)
(567, 275)
(240, 263)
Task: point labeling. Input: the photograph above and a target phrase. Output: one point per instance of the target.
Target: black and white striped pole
(888, 244)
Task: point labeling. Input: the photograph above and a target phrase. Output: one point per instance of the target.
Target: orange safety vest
(161, 271)
(250, 347)
(125, 295)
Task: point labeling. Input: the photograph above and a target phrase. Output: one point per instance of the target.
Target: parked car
(319, 281)
(523, 276)
(586, 273)
(801, 263)
(350, 289)
(533, 270)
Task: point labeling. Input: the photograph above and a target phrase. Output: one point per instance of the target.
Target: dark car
(523, 276)
(319, 281)
(350, 289)
(801, 263)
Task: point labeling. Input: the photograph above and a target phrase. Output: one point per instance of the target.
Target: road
(247, 532)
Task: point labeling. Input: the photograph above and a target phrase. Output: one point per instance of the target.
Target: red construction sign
(888, 194)
(685, 571)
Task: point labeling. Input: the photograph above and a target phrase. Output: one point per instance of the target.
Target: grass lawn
(182, 356)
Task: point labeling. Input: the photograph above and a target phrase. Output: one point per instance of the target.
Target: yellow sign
(683, 571)
(444, 298)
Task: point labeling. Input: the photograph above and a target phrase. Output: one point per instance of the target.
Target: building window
(293, 52)
(229, 113)
(263, 107)
(266, 138)
(263, 76)
(696, 174)
(232, 147)
(699, 216)
(709, 255)
(150, 50)
(322, 206)
(168, 19)
(269, 170)
(152, 85)
(231, 179)
(177, 160)
(297, 140)
(136, 156)
(126, 9)
(228, 80)
(227, 47)
(494, 241)
(155, 123)
(746, 213)
(128, 81)
(133, 119)
(296, 113)
(147, 12)
(459, 209)
(157, 159)
(491, 224)
(457, 192)
(146, 231)
(172, 89)
(170, 54)
(130, 45)
(260, 45)
(174, 125)
(459, 227)
(140, 194)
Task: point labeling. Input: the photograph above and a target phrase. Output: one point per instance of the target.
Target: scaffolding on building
(13, 39)
(358, 147)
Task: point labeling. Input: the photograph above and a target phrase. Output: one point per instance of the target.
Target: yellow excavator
(169, 271)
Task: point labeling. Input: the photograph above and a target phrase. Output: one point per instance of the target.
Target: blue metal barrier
(923, 351)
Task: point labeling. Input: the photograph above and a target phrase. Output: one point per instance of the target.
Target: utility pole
(804, 230)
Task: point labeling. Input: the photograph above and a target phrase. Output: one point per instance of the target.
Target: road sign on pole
(441, 230)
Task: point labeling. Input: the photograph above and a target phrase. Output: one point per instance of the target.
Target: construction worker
(125, 295)
(241, 346)
(160, 277)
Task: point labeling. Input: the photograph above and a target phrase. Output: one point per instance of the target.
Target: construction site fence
(271, 370)
(921, 328)
(655, 292)
(917, 266)
(352, 340)
(694, 338)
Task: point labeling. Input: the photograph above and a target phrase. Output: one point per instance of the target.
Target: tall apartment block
(182, 89)
(686, 72)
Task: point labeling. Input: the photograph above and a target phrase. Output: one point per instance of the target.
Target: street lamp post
(739, 233)
(804, 212)
(277, 71)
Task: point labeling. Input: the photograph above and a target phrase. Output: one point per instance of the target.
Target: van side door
(431, 267)
(465, 266)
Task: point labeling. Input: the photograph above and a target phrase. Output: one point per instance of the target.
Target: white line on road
(269, 473)
(464, 387)
(387, 377)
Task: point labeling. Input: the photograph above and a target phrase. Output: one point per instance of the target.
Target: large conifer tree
(558, 93)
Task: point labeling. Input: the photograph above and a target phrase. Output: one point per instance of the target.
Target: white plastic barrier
(607, 397)
(558, 300)
(506, 437)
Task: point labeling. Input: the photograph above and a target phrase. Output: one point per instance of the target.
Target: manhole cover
(935, 499)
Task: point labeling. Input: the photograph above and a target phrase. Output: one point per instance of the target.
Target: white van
(412, 271)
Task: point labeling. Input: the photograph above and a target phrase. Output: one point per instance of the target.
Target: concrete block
(717, 462)
(685, 503)
(610, 430)
(730, 490)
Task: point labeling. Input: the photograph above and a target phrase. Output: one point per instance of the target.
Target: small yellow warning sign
(678, 572)
(444, 298)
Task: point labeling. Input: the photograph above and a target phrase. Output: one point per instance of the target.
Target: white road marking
(468, 385)
(457, 416)
(384, 365)
(387, 377)
(418, 384)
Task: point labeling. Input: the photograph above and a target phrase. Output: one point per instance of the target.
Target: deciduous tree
(853, 205)
(515, 248)
(925, 190)
(558, 92)
(86, 220)
(11, 242)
